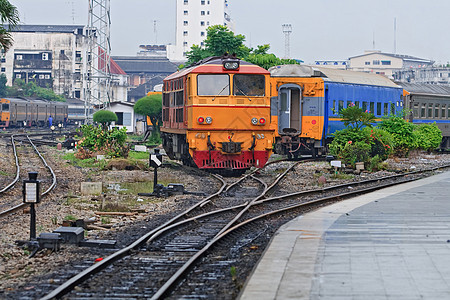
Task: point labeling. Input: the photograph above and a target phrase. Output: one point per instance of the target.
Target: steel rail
(54, 181)
(82, 276)
(17, 167)
(169, 285)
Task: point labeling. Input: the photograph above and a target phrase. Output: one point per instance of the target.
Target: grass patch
(85, 163)
(4, 174)
(138, 155)
(133, 188)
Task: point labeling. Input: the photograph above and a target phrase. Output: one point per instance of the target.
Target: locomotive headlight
(262, 121)
(201, 120)
(231, 65)
(255, 121)
(208, 120)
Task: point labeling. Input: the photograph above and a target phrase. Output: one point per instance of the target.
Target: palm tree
(9, 15)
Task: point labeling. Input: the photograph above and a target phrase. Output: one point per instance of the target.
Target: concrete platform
(390, 244)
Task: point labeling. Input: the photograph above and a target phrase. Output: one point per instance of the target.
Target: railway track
(27, 158)
(169, 252)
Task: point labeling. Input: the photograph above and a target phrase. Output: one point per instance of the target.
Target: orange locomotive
(216, 115)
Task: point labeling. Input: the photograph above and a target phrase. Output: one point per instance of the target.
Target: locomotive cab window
(5, 107)
(249, 85)
(213, 85)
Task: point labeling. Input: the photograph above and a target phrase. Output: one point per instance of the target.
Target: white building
(192, 19)
(54, 56)
(385, 63)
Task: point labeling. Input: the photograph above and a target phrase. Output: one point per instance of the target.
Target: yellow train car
(306, 102)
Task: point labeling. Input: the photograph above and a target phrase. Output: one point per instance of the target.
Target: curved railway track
(11, 200)
(167, 253)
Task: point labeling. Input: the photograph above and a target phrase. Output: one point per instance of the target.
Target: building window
(3, 60)
(41, 76)
(376, 62)
(185, 23)
(47, 76)
(202, 13)
(202, 33)
(3, 70)
(386, 62)
(19, 57)
(185, 33)
(207, 12)
(202, 23)
(186, 12)
(18, 75)
(207, 23)
(367, 63)
(202, 44)
(186, 2)
(202, 2)
(44, 56)
(184, 43)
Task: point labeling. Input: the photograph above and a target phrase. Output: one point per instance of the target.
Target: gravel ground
(16, 269)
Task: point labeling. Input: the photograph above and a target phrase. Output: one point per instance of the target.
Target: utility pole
(97, 74)
(287, 30)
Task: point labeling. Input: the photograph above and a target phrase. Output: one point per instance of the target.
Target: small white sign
(30, 192)
(336, 163)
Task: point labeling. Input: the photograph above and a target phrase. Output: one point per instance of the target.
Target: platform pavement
(390, 244)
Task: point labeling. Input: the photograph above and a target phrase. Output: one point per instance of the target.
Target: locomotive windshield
(248, 85)
(213, 85)
(5, 107)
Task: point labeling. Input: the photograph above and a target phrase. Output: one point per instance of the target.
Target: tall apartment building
(192, 19)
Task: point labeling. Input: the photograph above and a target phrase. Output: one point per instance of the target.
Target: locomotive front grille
(231, 147)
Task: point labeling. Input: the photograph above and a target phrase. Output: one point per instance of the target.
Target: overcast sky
(321, 29)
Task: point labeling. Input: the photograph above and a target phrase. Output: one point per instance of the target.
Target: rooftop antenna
(395, 35)
(287, 29)
(373, 40)
(155, 31)
(73, 13)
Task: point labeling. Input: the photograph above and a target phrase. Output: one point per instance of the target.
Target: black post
(32, 222)
(155, 181)
(31, 195)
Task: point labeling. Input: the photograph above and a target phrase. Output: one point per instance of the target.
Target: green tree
(104, 117)
(356, 118)
(221, 40)
(151, 106)
(8, 15)
(3, 87)
(30, 89)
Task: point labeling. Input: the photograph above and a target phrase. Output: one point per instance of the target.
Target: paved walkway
(390, 244)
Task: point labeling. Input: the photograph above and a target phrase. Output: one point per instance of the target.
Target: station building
(378, 62)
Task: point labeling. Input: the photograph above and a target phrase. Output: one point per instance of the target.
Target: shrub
(402, 133)
(347, 142)
(111, 142)
(428, 136)
(354, 152)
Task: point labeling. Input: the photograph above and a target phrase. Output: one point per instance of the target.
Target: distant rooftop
(426, 88)
(48, 28)
(402, 56)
